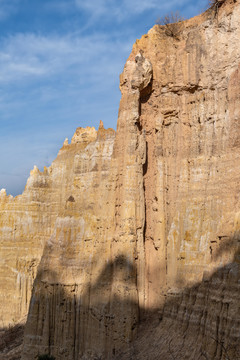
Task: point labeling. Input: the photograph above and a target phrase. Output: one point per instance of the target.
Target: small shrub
(215, 5)
(172, 23)
(46, 357)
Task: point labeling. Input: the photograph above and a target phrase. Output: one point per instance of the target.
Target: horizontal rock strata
(142, 224)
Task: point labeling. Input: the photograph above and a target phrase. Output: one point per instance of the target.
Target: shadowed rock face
(198, 322)
(142, 224)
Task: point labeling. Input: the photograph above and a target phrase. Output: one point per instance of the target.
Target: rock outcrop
(142, 224)
(29, 220)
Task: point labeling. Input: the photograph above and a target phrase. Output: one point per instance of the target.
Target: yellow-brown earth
(141, 224)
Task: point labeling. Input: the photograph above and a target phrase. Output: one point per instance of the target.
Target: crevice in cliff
(144, 128)
(145, 95)
(139, 126)
(152, 231)
(145, 165)
(145, 168)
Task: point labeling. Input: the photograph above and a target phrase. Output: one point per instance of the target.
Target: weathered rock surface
(49, 199)
(144, 224)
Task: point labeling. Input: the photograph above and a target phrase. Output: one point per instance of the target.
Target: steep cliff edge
(142, 224)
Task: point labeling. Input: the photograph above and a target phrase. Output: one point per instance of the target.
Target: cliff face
(55, 195)
(85, 298)
(142, 224)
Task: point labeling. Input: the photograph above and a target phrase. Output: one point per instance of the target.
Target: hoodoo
(128, 245)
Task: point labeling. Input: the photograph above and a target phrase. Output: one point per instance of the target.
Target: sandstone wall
(27, 221)
(85, 301)
(190, 115)
(191, 119)
(144, 224)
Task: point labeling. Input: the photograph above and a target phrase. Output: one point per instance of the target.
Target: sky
(60, 62)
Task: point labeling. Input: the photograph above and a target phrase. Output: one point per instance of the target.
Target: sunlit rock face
(29, 220)
(144, 223)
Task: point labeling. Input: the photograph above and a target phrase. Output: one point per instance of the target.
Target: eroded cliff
(144, 223)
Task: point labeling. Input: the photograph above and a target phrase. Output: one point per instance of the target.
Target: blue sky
(60, 62)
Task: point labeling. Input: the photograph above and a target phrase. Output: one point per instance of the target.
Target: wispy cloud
(53, 84)
(30, 55)
(120, 10)
(60, 6)
(7, 8)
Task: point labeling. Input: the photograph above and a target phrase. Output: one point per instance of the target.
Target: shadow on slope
(11, 340)
(86, 320)
(96, 320)
(199, 322)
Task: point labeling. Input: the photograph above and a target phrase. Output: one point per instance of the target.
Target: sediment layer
(143, 223)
